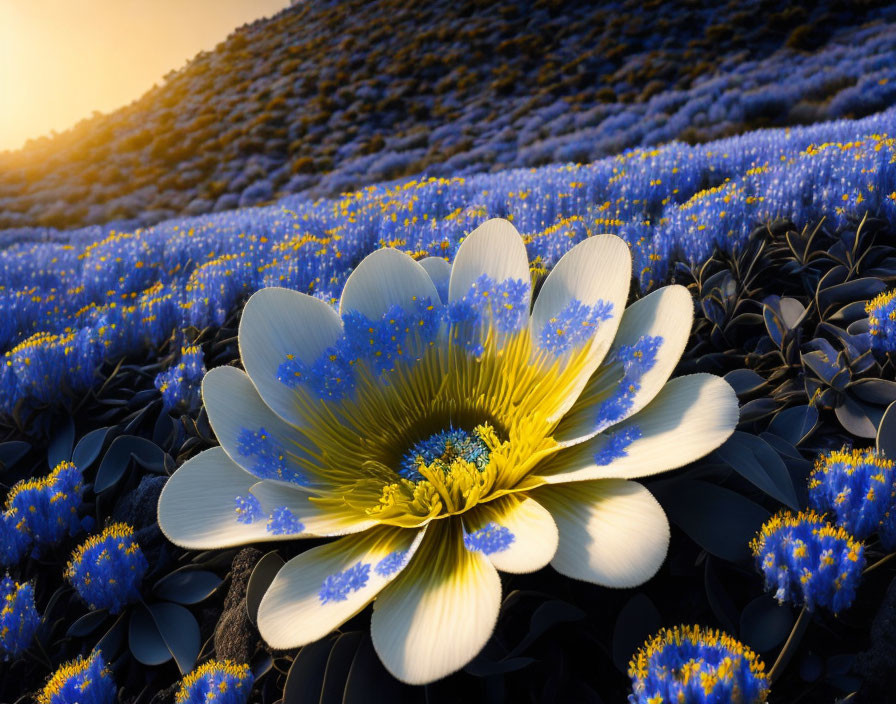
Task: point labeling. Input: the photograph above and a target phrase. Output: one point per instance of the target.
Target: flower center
(443, 449)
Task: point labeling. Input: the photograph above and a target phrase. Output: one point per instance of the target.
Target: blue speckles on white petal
(574, 325)
(282, 521)
(636, 361)
(337, 587)
(617, 445)
(489, 539)
(391, 563)
(248, 509)
(270, 460)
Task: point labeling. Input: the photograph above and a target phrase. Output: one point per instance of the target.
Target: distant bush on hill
(326, 97)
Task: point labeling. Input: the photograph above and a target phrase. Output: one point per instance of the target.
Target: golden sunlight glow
(61, 60)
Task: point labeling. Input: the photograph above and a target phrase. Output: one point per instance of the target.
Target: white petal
(494, 248)
(596, 269)
(320, 521)
(441, 611)
(612, 532)
(386, 277)
(197, 508)
(278, 322)
(312, 594)
(439, 271)
(234, 406)
(689, 418)
(532, 531)
(667, 313)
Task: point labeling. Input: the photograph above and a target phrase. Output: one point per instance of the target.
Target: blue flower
(80, 682)
(858, 488)
(216, 682)
(697, 666)
(180, 384)
(807, 561)
(15, 539)
(49, 505)
(107, 569)
(881, 312)
(18, 617)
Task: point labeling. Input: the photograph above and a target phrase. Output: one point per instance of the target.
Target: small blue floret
(489, 539)
(282, 521)
(337, 587)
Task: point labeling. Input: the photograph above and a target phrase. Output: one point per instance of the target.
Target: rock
(235, 636)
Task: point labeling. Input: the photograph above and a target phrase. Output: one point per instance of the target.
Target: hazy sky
(62, 59)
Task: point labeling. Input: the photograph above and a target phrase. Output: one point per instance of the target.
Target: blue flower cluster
(106, 570)
(858, 488)
(697, 666)
(83, 681)
(40, 512)
(67, 308)
(180, 384)
(18, 617)
(807, 561)
(216, 682)
(881, 312)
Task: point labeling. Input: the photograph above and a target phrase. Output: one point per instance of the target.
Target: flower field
(589, 400)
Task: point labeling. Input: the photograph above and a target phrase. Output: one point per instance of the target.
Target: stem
(793, 640)
(882, 561)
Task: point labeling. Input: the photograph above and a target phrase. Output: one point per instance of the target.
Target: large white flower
(447, 432)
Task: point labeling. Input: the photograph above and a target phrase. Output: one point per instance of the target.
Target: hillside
(325, 97)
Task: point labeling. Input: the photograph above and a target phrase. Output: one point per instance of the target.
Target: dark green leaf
(756, 409)
(637, 621)
(113, 639)
(262, 575)
(187, 585)
(546, 616)
(119, 455)
(854, 418)
(305, 678)
(60, 447)
(144, 639)
(764, 624)
(338, 666)
(179, 631)
(758, 463)
(89, 448)
(87, 624)
(12, 451)
(795, 424)
(719, 520)
(880, 392)
(368, 675)
(719, 600)
(886, 433)
(744, 381)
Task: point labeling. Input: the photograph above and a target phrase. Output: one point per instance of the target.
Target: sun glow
(60, 61)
